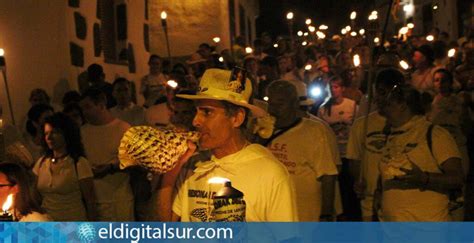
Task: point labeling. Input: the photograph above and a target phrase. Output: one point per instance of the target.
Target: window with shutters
(114, 30)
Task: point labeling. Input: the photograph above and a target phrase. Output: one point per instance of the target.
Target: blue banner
(236, 232)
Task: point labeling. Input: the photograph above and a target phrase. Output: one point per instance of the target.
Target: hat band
(223, 94)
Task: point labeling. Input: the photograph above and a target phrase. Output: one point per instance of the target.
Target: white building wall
(192, 22)
(35, 37)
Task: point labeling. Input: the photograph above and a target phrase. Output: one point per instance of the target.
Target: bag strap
(281, 131)
(429, 138)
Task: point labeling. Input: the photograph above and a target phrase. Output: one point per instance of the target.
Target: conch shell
(155, 149)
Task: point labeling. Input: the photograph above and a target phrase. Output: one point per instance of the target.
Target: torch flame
(356, 60)
(289, 15)
(353, 15)
(451, 52)
(8, 203)
(323, 27)
(404, 64)
(2, 52)
(173, 84)
(217, 180)
(163, 15)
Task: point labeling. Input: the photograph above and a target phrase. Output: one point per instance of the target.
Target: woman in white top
(17, 181)
(65, 178)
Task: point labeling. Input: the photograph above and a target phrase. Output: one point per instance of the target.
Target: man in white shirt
(302, 145)
(101, 138)
(125, 109)
(222, 110)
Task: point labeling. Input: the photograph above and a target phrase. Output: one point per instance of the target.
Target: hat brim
(307, 102)
(256, 111)
(195, 61)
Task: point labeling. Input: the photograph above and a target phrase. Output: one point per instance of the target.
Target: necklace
(56, 159)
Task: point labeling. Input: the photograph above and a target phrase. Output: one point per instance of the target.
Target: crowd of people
(337, 147)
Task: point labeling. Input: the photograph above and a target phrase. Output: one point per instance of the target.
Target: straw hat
(217, 84)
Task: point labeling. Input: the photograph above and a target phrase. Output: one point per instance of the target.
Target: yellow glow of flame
(275, 45)
(404, 64)
(430, 38)
(221, 59)
(311, 28)
(356, 60)
(216, 39)
(403, 31)
(289, 15)
(353, 15)
(373, 15)
(353, 33)
(248, 50)
(362, 31)
(343, 31)
(173, 84)
(410, 25)
(304, 43)
(8, 203)
(305, 34)
(320, 35)
(348, 28)
(451, 52)
(409, 8)
(265, 98)
(217, 180)
(323, 27)
(2, 52)
(308, 21)
(300, 33)
(163, 15)
(308, 67)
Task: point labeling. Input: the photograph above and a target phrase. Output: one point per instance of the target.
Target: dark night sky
(334, 13)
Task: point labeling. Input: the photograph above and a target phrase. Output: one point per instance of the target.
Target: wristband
(112, 168)
(425, 184)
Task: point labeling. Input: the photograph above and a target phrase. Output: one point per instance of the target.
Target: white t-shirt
(451, 114)
(133, 114)
(411, 143)
(265, 183)
(423, 81)
(329, 134)
(155, 86)
(35, 217)
(306, 153)
(101, 145)
(61, 193)
(369, 152)
(341, 118)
